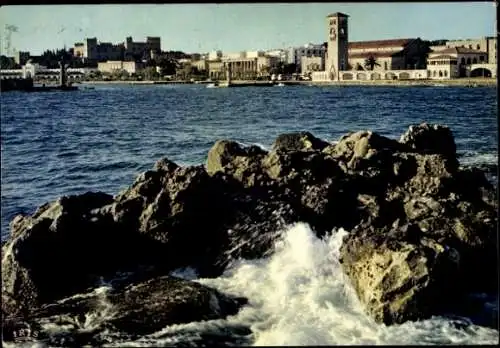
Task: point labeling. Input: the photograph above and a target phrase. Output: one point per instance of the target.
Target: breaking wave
(297, 296)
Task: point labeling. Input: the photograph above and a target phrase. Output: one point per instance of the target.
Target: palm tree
(371, 62)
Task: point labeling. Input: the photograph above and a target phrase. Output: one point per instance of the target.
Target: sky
(236, 27)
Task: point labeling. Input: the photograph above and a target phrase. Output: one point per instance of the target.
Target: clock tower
(337, 53)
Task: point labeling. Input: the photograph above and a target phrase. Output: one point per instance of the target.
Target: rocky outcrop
(420, 226)
(134, 309)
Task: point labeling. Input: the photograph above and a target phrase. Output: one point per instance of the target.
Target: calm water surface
(58, 143)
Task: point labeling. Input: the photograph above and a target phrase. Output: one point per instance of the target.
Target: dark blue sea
(61, 143)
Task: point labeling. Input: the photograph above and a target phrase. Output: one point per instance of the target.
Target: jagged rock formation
(422, 229)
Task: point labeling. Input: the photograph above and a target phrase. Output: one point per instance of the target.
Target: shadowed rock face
(420, 226)
(136, 308)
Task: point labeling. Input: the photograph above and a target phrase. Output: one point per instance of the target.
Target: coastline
(464, 82)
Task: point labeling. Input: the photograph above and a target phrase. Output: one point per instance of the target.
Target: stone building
(310, 64)
(242, 65)
(336, 58)
(486, 44)
(111, 66)
(21, 57)
(295, 54)
(454, 62)
(91, 49)
(395, 54)
(200, 64)
(134, 49)
(216, 69)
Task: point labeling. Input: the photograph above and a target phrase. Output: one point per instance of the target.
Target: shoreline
(463, 82)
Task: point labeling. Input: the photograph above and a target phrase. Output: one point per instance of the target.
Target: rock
(431, 139)
(243, 164)
(184, 213)
(138, 308)
(45, 246)
(299, 141)
(398, 280)
(421, 227)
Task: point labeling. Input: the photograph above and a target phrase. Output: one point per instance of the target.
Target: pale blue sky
(234, 27)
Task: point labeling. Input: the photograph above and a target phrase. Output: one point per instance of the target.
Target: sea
(101, 137)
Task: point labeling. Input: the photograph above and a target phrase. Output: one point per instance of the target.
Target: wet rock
(398, 275)
(243, 164)
(299, 141)
(137, 308)
(47, 256)
(421, 227)
(431, 139)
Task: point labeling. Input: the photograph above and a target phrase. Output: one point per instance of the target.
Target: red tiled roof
(374, 54)
(461, 50)
(380, 43)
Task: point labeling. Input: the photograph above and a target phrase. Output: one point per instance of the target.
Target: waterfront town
(336, 59)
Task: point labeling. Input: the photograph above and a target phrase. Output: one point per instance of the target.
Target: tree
(167, 65)
(371, 62)
(7, 63)
(150, 73)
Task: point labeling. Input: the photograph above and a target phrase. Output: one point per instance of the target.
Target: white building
(454, 62)
(295, 54)
(111, 66)
(281, 54)
(214, 55)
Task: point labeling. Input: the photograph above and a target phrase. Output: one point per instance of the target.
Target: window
(478, 47)
(474, 61)
(470, 46)
(468, 61)
(440, 73)
(385, 65)
(434, 73)
(462, 61)
(445, 73)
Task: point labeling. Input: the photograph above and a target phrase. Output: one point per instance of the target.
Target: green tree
(371, 62)
(150, 73)
(7, 63)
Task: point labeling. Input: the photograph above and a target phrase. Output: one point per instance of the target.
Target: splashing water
(300, 296)
(297, 296)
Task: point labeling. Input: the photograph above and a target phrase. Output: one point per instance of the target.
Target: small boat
(280, 84)
(213, 85)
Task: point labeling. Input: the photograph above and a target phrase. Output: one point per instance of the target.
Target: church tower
(337, 52)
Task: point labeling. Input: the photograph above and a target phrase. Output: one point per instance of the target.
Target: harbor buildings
(110, 66)
(21, 57)
(396, 54)
(241, 65)
(458, 61)
(295, 54)
(486, 44)
(311, 64)
(92, 50)
(402, 58)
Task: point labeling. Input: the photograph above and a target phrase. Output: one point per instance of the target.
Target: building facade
(337, 45)
(21, 57)
(310, 64)
(294, 55)
(486, 44)
(91, 49)
(112, 66)
(454, 62)
(395, 54)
